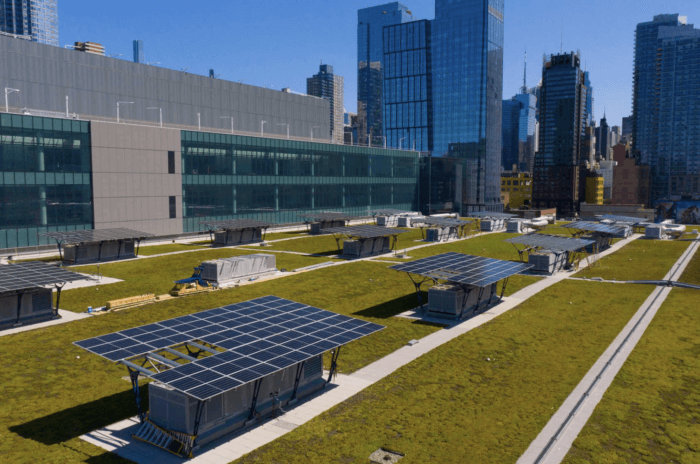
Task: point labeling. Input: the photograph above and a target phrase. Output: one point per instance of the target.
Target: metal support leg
(337, 241)
(297, 378)
(60, 252)
(58, 300)
(19, 308)
(334, 363)
(478, 301)
(503, 289)
(467, 292)
(254, 403)
(99, 252)
(134, 375)
(138, 246)
(418, 285)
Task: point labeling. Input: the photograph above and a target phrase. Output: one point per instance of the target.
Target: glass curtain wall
(45, 178)
(231, 177)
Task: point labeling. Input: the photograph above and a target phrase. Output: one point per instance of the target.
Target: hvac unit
(237, 237)
(407, 221)
(447, 300)
(490, 225)
(383, 220)
(626, 231)
(366, 247)
(514, 226)
(223, 271)
(94, 252)
(654, 231)
(437, 234)
(543, 262)
(36, 306)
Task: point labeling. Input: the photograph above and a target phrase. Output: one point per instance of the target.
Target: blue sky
(280, 43)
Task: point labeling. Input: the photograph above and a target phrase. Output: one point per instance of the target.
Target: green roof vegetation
(168, 248)
(482, 397)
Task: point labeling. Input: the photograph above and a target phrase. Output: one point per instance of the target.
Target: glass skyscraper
(588, 120)
(139, 57)
(407, 86)
(37, 19)
(467, 38)
(370, 66)
(665, 124)
(519, 126)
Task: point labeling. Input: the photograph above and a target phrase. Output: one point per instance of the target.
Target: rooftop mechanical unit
(440, 234)
(492, 224)
(237, 237)
(407, 221)
(316, 228)
(366, 247)
(514, 226)
(35, 305)
(448, 300)
(547, 262)
(227, 270)
(94, 252)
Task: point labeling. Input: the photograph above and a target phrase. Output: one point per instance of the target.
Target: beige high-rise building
(327, 85)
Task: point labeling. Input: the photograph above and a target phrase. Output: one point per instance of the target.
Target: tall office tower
(665, 126)
(615, 136)
(327, 85)
(518, 128)
(407, 86)
(560, 163)
(603, 140)
(37, 19)
(139, 56)
(626, 126)
(370, 66)
(467, 38)
(588, 120)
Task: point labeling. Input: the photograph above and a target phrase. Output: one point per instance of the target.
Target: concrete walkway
(66, 316)
(555, 440)
(117, 437)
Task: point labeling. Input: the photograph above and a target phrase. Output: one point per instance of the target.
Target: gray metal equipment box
(654, 231)
(446, 300)
(366, 247)
(94, 252)
(440, 234)
(490, 225)
(626, 232)
(543, 262)
(514, 226)
(405, 222)
(229, 411)
(237, 237)
(36, 306)
(317, 228)
(226, 270)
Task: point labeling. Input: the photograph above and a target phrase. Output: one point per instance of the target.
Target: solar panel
(327, 216)
(488, 214)
(260, 337)
(440, 221)
(94, 236)
(236, 224)
(367, 231)
(463, 269)
(624, 219)
(390, 212)
(551, 242)
(595, 227)
(22, 276)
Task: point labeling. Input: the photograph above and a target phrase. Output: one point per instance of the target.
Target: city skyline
(535, 26)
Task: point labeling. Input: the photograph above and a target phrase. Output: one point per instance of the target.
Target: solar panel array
(390, 212)
(551, 242)
(367, 231)
(625, 219)
(488, 214)
(94, 236)
(595, 227)
(22, 276)
(440, 221)
(261, 336)
(236, 224)
(327, 216)
(463, 269)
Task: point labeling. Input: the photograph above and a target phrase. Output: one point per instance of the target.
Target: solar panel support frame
(254, 401)
(297, 378)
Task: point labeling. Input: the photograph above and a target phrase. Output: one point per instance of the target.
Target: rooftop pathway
(117, 437)
(556, 438)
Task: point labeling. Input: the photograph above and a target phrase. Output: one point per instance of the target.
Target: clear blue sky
(280, 43)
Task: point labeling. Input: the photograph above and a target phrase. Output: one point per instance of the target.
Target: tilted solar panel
(93, 236)
(259, 337)
(463, 269)
(488, 214)
(595, 227)
(236, 224)
(551, 242)
(624, 219)
(22, 276)
(365, 231)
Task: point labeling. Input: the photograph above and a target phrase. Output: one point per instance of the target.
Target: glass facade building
(407, 86)
(370, 67)
(45, 178)
(139, 56)
(326, 84)
(35, 18)
(665, 124)
(519, 127)
(467, 57)
(230, 177)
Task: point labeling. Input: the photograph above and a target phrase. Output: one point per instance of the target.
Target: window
(171, 163)
(173, 208)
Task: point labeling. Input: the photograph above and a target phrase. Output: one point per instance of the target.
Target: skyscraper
(603, 140)
(327, 85)
(139, 56)
(589, 99)
(37, 19)
(559, 164)
(665, 126)
(370, 66)
(407, 86)
(467, 38)
(519, 125)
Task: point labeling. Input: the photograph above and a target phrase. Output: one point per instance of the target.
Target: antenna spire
(524, 89)
(561, 47)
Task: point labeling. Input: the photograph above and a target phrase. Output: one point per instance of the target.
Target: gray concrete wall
(130, 181)
(45, 75)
